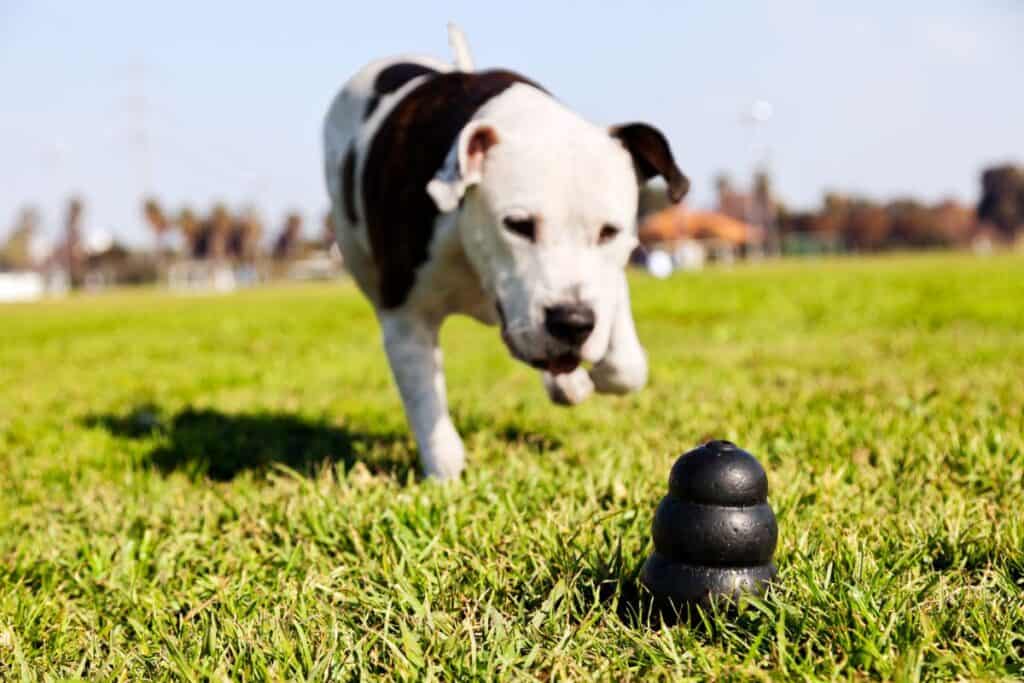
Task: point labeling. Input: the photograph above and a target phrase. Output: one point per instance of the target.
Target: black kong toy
(714, 534)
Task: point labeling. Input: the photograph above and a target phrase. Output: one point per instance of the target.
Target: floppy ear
(463, 165)
(652, 156)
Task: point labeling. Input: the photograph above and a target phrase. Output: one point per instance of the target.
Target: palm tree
(189, 225)
(327, 237)
(288, 240)
(248, 229)
(16, 254)
(74, 257)
(156, 218)
(219, 230)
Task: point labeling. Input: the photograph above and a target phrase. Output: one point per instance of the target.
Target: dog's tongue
(567, 362)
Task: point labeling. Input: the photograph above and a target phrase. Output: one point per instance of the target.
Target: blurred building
(692, 238)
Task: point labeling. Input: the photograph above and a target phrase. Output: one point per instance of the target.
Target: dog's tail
(460, 48)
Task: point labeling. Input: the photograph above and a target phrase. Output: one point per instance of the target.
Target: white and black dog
(477, 192)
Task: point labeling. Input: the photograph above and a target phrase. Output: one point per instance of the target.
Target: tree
(327, 236)
(764, 210)
(157, 220)
(218, 230)
(287, 242)
(246, 231)
(868, 226)
(731, 202)
(155, 217)
(953, 222)
(16, 253)
(74, 253)
(189, 225)
(912, 224)
(1002, 199)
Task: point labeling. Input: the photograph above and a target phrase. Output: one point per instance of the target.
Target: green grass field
(223, 487)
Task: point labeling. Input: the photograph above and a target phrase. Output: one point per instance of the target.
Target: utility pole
(137, 107)
(760, 213)
(135, 133)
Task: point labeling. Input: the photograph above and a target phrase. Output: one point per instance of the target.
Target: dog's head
(547, 211)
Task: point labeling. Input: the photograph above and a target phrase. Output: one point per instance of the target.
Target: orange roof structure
(678, 223)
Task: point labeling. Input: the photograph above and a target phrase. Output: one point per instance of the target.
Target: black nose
(571, 323)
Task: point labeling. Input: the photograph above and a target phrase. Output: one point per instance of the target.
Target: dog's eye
(524, 227)
(608, 233)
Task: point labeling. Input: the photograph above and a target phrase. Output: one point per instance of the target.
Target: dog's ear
(463, 166)
(652, 156)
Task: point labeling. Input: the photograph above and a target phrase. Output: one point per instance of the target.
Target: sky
(198, 102)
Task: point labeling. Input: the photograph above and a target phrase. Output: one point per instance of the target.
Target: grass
(223, 487)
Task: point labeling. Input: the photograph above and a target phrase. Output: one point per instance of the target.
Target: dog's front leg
(412, 348)
(624, 366)
(569, 388)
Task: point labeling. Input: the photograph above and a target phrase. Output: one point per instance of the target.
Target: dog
(477, 192)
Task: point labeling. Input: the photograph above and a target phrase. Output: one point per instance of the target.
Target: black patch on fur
(392, 78)
(348, 184)
(371, 106)
(408, 149)
(652, 156)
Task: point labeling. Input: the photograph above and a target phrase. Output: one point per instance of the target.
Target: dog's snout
(570, 323)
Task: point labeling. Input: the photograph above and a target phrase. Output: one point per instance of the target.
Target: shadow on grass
(205, 442)
(614, 581)
(536, 439)
(620, 588)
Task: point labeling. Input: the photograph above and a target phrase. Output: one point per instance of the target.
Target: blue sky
(205, 101)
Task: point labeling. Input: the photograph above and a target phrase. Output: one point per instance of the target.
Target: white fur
(548, 163)
(575, 178)
(415, 358)
(568, 388)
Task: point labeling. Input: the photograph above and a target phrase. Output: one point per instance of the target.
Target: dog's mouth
(559, 365)
(556, 365)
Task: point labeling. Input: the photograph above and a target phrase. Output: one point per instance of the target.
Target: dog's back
(350, 126)
(356, 113)
(386, 135)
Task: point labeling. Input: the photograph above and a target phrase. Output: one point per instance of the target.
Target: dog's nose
(571, 323)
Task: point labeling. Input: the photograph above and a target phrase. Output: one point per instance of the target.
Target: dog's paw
(620, 378)
(568, 388)
(444, 457)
